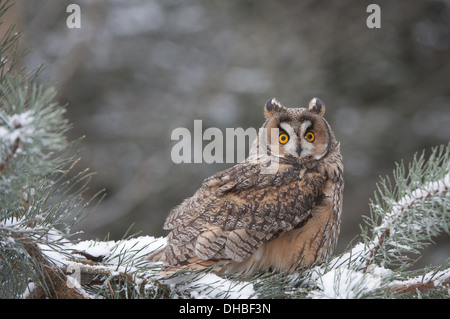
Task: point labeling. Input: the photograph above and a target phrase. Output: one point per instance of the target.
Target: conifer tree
(39, 202)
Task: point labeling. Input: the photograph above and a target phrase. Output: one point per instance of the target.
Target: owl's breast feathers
(239, 213)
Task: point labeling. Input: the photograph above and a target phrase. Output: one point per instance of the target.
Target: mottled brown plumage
(278, 210)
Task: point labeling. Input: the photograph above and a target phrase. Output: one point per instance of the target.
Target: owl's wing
(211, 187)
(237, 210)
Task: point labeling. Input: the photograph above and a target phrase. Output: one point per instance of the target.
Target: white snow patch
(347, 283)
(437, 278)
(213, 286)
(210, 286)
(138, 247)
(198, 285)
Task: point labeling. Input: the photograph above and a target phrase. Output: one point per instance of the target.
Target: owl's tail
(193, 263)
(155, 256)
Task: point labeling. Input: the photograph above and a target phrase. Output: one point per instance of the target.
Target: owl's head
(301, 133)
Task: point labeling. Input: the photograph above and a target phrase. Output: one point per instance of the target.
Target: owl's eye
(310, 137)
(283, 138)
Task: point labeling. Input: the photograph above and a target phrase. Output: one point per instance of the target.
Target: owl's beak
(298, 149)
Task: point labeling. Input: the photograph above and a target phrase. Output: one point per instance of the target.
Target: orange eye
(310, 137)
(283, 138)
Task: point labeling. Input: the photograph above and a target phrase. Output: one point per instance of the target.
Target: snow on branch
(13, 130)
(404, 218)
(428, 281)
(406, 215)
(43, 262)
(416, 203)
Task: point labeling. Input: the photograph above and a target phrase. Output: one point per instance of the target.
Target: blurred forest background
(136, 70)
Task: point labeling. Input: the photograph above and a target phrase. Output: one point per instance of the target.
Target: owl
(278, 210)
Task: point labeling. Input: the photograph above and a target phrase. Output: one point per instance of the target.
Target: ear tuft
(316, 106)
(272, 106)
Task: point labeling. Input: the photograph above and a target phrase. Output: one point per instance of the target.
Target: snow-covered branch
(415, 203)
(404, 218)
(15, 128)
(428, 281)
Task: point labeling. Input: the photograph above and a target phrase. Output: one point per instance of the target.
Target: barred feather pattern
(250, 221)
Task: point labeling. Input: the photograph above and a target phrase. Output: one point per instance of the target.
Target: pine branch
(14, 148)
(120, 271)
(418, 198)
(405, 216)
(52, 281)
(411, 212)
(96, 274)
(10, 56)
(430, 281)
(39, 201)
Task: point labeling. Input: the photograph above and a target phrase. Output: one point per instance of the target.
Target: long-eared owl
(277, 210)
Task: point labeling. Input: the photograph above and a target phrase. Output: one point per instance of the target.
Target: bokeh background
(136, 70)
